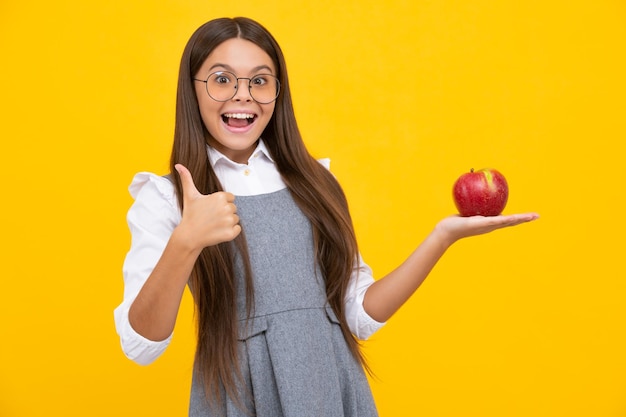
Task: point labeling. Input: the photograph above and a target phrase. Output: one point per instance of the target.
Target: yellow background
(404, 96)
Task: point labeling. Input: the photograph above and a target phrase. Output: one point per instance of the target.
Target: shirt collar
(216, 156)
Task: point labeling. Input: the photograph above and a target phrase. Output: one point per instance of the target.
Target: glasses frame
(236, 87)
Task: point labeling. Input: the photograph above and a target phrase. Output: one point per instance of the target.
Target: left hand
(457, 227)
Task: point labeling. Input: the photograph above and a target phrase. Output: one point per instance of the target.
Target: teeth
(239, 115)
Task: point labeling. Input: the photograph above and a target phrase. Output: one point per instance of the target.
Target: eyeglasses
(223, 85)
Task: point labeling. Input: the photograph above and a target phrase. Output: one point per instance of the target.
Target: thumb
(189, 187)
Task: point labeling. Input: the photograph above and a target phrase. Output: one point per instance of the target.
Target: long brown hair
(313, 188)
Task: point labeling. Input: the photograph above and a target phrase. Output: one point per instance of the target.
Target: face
(235, 125)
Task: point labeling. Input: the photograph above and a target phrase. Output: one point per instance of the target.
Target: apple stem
(472, 170)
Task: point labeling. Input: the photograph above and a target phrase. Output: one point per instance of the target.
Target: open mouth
(238, 119)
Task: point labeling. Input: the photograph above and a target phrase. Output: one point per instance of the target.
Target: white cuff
(136, 347)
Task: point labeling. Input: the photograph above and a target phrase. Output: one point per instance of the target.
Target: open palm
(457, 227)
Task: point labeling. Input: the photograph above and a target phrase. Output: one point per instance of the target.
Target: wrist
(443, 236)
(181, 242)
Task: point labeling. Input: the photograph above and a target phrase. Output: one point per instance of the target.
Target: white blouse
(153, 217)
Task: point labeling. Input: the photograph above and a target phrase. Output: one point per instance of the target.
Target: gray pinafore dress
(293, 356)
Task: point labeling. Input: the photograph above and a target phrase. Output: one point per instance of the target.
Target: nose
(242, 93)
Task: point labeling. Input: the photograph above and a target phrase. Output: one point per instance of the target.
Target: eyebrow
(229, 68)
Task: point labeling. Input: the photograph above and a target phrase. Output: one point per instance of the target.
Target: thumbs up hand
(206, 219)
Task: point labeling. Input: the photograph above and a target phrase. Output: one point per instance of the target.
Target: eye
(259, 80)
(222, 78)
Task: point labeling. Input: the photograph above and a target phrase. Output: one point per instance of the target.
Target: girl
(261, 233)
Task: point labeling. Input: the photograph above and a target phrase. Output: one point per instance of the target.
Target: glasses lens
(264, 88)
(221, 86)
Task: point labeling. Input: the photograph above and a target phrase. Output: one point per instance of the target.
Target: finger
(226, 199)
(230, 197)
(521, 217)
(515, 219)
(530, 216)
(231, 233)
(189, 188)
(234, 233)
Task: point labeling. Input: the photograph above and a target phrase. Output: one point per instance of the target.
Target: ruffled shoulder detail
(325, 162)
(162, 184)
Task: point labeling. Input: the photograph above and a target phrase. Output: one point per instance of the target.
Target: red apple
(481, 193)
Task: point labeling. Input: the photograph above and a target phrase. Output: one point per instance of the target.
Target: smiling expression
(235, 125)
